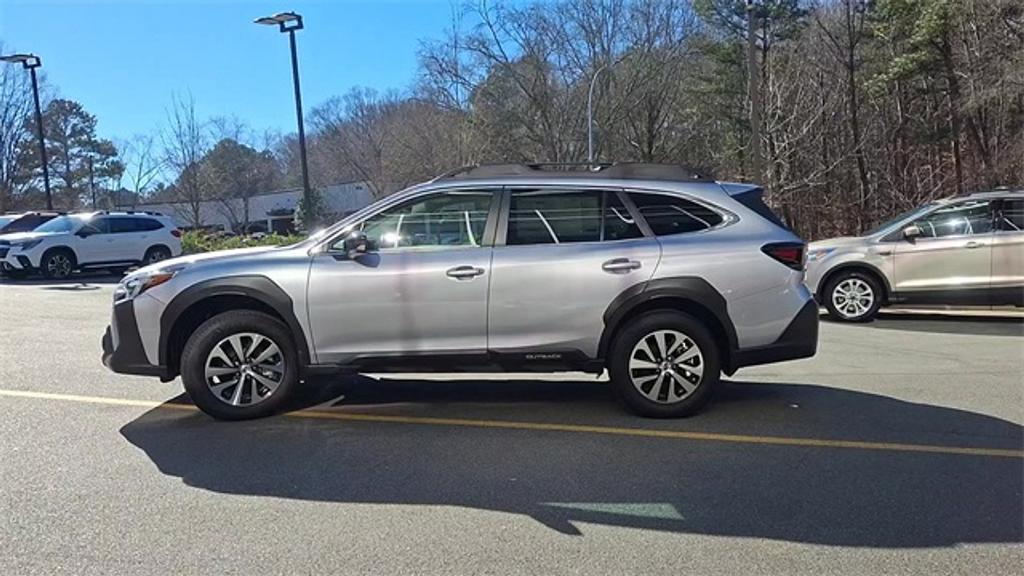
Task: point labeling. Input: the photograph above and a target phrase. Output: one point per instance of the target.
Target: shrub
(195, 242)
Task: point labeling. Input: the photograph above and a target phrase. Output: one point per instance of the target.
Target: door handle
(620, 265)
(973, 244)
(460, 272)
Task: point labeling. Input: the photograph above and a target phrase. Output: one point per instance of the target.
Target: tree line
(865, 107)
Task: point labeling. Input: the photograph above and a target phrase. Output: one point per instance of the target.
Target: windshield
(904, 216)
(61, 224)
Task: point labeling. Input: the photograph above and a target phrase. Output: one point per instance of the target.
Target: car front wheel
(853, 297)
(240, 365)
(58, 264)
(664, 365)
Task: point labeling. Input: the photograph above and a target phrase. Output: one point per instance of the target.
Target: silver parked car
(663, 278)
(966, 250)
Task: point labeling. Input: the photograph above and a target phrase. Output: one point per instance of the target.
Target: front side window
(97, 226)
(450, 219)
(963, 219)
(557, 217)
(667, 215)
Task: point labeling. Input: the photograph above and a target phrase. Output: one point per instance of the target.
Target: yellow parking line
(555, 427)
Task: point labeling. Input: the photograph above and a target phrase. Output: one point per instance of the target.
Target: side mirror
(85, 232)
(911, 232)
(357, 245)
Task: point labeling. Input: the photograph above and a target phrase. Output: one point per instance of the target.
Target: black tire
(200, 345)
(860, 279)
(58, 264)
(643, 328)
(155, 254)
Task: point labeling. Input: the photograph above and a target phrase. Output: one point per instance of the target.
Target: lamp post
(30, 62)
(590, 116)
(290, 22)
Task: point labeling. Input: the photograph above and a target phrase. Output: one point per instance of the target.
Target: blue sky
(123, 59)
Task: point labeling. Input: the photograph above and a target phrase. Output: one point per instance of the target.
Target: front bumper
(798, 340)
(122, 346)
(12, 260)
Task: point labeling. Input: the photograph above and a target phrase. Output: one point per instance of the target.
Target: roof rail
(625, 170)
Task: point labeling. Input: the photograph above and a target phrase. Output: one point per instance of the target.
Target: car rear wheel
(58, 264)
(853, 297)
(664, 365)
(240, 365)
(156, 254)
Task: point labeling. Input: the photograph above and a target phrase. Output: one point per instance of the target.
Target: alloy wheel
(853, 297)
(244, 369)
(666, 366)
(58, 266)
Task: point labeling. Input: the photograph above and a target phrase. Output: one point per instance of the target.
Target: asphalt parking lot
(899, 449)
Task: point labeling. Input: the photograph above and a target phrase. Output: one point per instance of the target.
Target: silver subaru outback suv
(661, 277)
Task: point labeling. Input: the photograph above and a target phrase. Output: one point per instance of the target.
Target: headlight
(26, 244)
(819, 254)
(134, 285)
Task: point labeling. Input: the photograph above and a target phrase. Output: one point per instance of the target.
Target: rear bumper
(798, 340)
(122, 347)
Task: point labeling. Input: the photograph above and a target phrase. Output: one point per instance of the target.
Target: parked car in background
(24, 221)
(115, 240)
(664, 278)
(967, 250)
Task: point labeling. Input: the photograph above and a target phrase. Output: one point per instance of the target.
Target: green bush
(195, 242)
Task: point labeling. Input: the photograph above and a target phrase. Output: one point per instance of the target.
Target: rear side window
(667, 215)
(558, 217)
(122, 224)
(1011, 215)
(147, 224)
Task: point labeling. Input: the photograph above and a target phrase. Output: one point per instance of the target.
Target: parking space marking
(556, 427)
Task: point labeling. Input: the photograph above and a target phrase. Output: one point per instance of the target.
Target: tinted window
(963, 219)
(754, 200)
(555, 217)
(122, 224)
(450, 219)
(673, 215)
(1011, 214)
(147, 224)
(98, 226)
(24, 224)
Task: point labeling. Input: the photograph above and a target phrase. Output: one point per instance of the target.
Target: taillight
(790, 254)
(176, 233)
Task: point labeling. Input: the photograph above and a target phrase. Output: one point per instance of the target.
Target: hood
(21, 236)
(837, 242)
(235, 253)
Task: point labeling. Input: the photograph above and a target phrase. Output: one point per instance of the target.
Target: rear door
(127, 239)
(1008, 252)
(952, 258)
(562, 255)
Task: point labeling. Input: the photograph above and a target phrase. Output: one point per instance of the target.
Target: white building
(273, 211)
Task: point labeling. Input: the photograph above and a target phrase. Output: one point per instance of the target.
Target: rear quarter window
(668, 215)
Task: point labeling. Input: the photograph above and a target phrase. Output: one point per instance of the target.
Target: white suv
(115, 240)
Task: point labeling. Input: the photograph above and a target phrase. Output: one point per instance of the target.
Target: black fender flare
(257, 287)
(686, 288)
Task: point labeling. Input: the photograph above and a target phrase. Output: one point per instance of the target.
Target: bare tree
(184, 145)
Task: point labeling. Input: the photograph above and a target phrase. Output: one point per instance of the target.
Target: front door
(951, 261)
(94, 243)
(566, 255)
(423, 292)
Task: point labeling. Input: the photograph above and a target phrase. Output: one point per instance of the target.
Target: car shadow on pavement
(945, 324)
(819, 495)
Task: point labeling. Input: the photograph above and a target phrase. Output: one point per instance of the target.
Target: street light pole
(590, 116)
(290, 22)
(30, 62)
